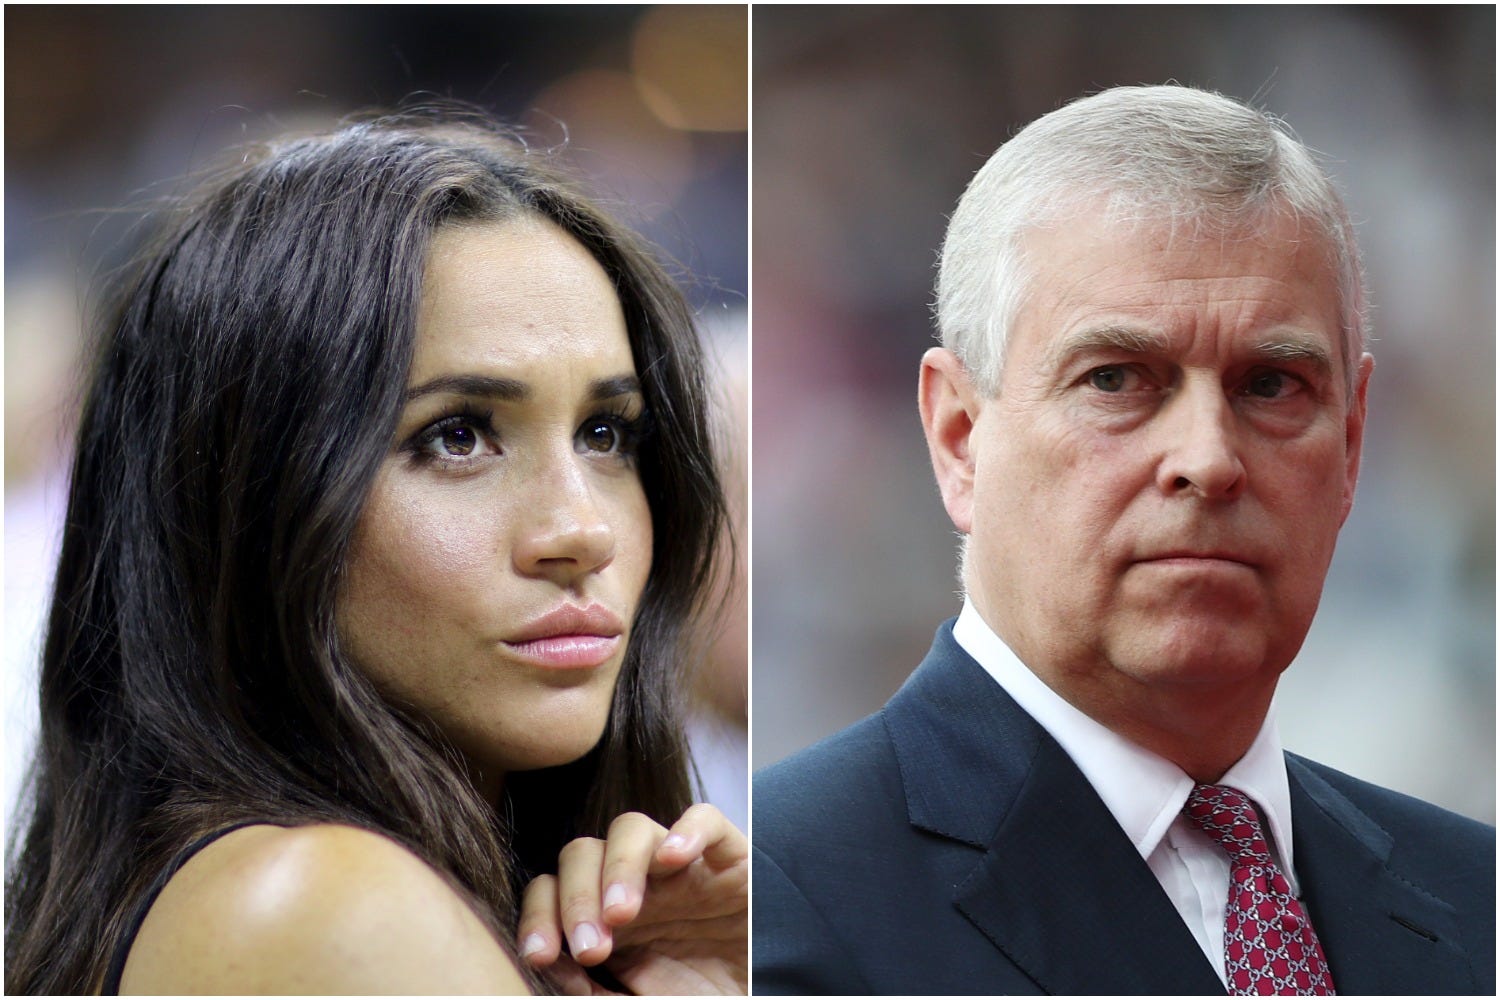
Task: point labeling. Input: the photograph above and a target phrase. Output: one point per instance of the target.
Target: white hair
(1156, 155)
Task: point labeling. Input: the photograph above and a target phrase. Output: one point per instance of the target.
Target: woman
(392, 503)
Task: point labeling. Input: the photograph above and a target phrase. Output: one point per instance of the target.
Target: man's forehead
(1103, 221)
(1154, 286)
(1099, 261)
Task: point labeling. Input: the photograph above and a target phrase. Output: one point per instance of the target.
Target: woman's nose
(566, 534)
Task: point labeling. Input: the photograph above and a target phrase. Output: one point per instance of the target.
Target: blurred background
(868, 124)
(106, 107)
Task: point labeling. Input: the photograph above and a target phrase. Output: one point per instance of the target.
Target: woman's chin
(555, 751)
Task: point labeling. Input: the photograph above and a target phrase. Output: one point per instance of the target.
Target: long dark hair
(247, 384)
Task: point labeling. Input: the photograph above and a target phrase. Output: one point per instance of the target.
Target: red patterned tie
(1269, 944)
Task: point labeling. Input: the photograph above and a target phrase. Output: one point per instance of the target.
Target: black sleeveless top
(116, 969)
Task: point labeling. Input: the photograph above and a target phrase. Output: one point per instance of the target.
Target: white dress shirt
(1146, 793)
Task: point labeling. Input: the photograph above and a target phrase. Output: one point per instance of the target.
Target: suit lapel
(1381, 934)
(1064, 893)
(1058, 888)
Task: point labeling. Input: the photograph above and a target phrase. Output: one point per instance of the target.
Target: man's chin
(1200, 654)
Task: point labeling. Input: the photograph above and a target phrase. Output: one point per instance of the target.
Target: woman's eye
(612, 434)
(452, 438)
(602, 436)
(458, 440)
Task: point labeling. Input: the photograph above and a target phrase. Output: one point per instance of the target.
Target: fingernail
(585, 936)
(674, 842)
(533, 944)
(616, 895)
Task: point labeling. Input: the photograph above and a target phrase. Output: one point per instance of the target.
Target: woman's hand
(664, 911)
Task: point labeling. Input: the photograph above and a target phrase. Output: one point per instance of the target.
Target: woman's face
(497, 565)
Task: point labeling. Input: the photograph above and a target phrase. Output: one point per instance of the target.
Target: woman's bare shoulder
(313, 909)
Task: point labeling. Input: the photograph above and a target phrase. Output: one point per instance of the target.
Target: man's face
(1158, 484)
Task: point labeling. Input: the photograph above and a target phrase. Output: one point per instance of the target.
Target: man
(1146, 421)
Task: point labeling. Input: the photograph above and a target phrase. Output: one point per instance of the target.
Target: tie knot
(1226, 815)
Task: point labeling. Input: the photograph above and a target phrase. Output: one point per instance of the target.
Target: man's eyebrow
(513, 390)
(1132, 340)
(1108, 338)
(1296, 351)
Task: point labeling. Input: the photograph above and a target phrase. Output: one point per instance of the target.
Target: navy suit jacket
(948, 845)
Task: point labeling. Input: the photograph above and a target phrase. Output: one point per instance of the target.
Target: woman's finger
(628, 855)
(539, 932)
(578, 886)
(703, 831)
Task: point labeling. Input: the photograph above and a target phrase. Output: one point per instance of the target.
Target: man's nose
(1200, 445)
(565, 532)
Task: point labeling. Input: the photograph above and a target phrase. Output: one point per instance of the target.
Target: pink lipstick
(569, 638)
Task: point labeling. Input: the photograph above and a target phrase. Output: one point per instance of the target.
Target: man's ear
(1354, 431)
(949, 404)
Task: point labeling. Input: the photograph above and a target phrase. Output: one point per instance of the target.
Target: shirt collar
(1144, 792)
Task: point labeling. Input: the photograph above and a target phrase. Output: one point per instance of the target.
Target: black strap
(122, 950)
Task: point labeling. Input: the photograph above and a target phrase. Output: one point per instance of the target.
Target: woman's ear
(949, 405)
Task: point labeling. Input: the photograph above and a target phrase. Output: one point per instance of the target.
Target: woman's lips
(566, 652)
(569, 638)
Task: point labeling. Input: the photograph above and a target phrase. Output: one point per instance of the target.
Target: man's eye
(1267, 385)
(1111, 379)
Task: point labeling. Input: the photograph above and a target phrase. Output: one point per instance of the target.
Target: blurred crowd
(107, 108)
(868, 123)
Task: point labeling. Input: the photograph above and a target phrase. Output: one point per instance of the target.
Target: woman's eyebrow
(618, 385)
(509, 389)
(515, 390)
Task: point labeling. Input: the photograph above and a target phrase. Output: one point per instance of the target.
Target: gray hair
(1165, 154)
